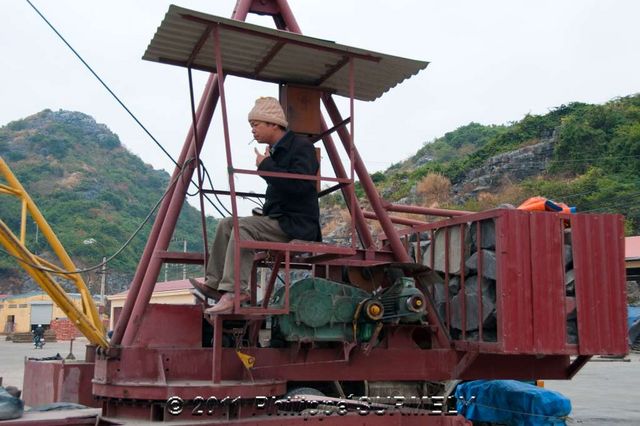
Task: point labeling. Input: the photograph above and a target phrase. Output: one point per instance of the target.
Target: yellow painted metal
(247, 360)
(23, 222)
(87, 320)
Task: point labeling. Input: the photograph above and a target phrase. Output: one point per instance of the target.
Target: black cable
(103, 83)
(534, 162)
(189, 194)
(115, 96)
(614, 206)
(575, 160)
(206, 172)
(256, 202)
(212, 204)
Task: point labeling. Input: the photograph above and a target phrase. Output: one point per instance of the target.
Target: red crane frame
(156, 351)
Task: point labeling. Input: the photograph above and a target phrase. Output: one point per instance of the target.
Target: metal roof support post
(149, 266)
(287, 17)
(196, 155)
(230, 169)
(367, 184)
(166, 220)
(241, 10)
(352, 130)
(155, 264)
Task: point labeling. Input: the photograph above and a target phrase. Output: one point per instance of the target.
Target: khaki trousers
(220, 269)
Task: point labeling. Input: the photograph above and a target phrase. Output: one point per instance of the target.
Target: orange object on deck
(542, 204)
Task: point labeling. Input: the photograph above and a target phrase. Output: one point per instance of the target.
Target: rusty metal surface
(549, 300)
(531, 300)
(246, 413)
(51, 381)
(513, 288)
(270, 55)
(171, 325)
(598, 247)
(531, 303)
(519, 367)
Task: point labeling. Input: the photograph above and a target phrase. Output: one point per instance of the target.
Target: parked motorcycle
(38, 337)
(38, 342)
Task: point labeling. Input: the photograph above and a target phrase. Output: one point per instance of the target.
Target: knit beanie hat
(269, 110)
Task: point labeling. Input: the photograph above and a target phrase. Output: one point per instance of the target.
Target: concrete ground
(603, 392)
(12, 356)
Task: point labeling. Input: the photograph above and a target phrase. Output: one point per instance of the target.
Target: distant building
(632, 252)
(632, 265)
(21, 313)
(178, 292)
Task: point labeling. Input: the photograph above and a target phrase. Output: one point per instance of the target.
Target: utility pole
(103, 281)
(184, 265)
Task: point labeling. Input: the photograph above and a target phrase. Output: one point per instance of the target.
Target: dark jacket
(294, 202)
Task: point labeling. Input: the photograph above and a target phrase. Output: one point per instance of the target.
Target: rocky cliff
(506, 168)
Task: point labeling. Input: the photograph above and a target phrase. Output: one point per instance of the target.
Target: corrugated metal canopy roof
(185, 38)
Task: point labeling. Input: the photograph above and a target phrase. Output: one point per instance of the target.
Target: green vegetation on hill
(88, 186)
(444, 155)
(594, 166)
(598, 153)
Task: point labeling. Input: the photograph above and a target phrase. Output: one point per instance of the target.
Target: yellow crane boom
(42, 271)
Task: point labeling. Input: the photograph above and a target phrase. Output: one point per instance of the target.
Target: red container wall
(598, 251)
(531, 295)
(514, 295)
(46, 382)
(548, 287)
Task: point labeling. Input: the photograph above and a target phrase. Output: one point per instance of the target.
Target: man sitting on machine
(290, 210)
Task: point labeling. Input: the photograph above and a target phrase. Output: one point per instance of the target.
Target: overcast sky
(492, 62)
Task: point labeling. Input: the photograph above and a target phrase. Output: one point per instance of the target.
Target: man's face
(264, 132)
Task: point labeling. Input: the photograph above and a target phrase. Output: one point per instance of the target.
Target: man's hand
(261, 157)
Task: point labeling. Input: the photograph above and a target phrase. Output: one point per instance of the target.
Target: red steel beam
(291, 175)
(287, 17)
(367, 184)
(205, 109)
(347, 191)
(149, 266)
(425, 210)
(396, 219)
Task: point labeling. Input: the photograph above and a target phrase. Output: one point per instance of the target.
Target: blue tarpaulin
(511, 402)
(633, 323)
(11, 407)
(633, 315)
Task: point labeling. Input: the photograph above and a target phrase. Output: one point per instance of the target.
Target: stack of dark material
(474, 263)
(570, 288)
(462, 263)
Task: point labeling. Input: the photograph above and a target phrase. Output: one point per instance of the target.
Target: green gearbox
(326, 311)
